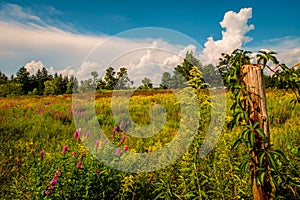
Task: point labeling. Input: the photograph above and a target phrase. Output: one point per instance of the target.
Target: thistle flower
(64, 150)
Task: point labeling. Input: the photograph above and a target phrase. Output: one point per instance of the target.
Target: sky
(75, 37)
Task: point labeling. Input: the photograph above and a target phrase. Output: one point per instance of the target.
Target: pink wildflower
(87, 134)
(121, 125)
(79, 165)
(105, 142)
(97, 145)
(64, 150)
(126, 148)
(77, 134)
(47, 192)
(54, 180)
(42, 153)
(118, 151)
(97, 171)
(32, 151)
(116, 129)
(74, 153)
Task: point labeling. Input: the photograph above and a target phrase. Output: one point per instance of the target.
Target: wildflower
(79, 165)
(32, 151)
(105, 142)
(97, 171)
(47, 192)
(97, 145)
(64, 150)
(42, 153)
(77, 134)
(87, 134)
(54, 180)
(74, 153)
(126, 148)
(116, 129)
(121, 125)
(118, 151)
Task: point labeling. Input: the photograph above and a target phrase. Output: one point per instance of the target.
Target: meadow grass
(36, 164)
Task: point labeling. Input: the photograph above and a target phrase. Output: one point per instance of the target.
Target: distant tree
(11, 89)
(147, 84)
(3, 78)
(50, 88)
(165, 80)
(123, 81)
(23, 78)
(110, 78)
(189, 61)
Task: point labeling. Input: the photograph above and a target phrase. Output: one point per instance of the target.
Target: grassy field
(42, 156)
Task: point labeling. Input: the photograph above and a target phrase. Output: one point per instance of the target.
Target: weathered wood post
(254, 82)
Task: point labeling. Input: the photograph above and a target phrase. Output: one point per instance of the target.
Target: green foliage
(264, 167)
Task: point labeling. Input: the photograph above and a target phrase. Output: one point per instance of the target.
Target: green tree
(165, 80)
(23, 77)
(123, 81)
(110, 78)
(147, 84)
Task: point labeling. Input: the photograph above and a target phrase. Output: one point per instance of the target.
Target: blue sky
(275, 26)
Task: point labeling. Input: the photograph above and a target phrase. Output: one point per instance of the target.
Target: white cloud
(236, 26)
(33, 66)
(178, 59)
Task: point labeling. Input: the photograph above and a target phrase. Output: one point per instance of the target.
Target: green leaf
(244, 134)
(255, 124)
(261, 133)
(272, 163)
(251, 137)
(237, 143)
(261, 177)
(261, 159)
(279, 153)
(243, 166)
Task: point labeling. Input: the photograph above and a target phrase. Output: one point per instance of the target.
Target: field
(43, 155)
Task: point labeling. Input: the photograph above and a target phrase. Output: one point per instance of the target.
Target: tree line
(43, 83)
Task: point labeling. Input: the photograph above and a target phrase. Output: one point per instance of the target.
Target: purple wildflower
(64, 150)
(118, 151)
(105, 142)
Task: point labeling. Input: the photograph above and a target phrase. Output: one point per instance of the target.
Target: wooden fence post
(254, 82)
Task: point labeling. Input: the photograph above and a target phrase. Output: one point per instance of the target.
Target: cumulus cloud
(236, 26)
(33, 66)
(178, 59)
